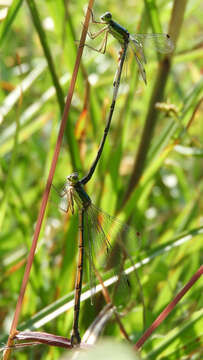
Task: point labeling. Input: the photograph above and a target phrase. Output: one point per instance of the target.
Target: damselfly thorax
(75, 193)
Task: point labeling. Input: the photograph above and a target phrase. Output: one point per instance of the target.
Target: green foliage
(38, 52)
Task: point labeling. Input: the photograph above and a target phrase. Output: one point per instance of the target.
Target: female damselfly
(98, 232)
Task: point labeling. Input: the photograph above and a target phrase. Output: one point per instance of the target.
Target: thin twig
(168, 308)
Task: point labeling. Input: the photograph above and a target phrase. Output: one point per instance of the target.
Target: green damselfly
(98, 232)
(162, 42)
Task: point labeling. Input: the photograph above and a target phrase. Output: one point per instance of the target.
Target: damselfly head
(106, 17)
(72, 178)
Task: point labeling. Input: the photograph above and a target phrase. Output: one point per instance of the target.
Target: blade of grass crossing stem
(60, 306)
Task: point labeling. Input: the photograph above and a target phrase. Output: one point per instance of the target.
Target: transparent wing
(63, 203)
(139, 53)
(161, 42)
(138, 48)
(59, 198)
(109, 242)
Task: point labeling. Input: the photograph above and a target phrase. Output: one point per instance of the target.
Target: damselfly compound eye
(106, 17)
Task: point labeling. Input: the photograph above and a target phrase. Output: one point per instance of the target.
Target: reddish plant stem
(168, 309)
(49, 181)
(43, 338)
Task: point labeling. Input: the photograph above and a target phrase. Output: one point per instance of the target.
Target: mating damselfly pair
(138, 42)
(104, 242)
(101, 235)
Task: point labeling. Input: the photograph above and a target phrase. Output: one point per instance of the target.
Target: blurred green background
(158, 192)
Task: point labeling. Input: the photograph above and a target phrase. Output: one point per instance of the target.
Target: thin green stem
(59, 92)
(43, 39)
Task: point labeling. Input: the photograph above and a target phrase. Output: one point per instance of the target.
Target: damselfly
(162, 42)
(98, 232)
